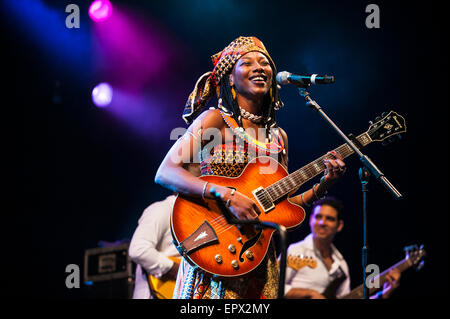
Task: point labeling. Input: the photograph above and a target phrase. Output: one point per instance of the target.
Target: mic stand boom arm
(363, 158)
(364, 173)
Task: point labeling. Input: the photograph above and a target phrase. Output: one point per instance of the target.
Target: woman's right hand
(240, 205)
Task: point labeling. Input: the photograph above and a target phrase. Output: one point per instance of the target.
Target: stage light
(100, 10)
(102, 94)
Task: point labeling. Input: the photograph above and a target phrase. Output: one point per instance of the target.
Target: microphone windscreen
(282, 77)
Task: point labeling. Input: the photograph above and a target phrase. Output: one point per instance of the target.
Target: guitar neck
(358, 292)
(307, 172)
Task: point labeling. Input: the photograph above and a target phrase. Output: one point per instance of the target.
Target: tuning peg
(384, 114)
(370, 122)
(378, 118)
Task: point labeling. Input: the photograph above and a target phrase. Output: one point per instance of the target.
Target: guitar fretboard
(358, 292)
(296, 179)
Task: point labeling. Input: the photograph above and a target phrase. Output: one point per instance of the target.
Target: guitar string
(218, 221)
(219, 224)
(218, 228)
(224, 230)
(273, 189)
(221, 228)
(213, 220)
(281, 187)
(308, 169)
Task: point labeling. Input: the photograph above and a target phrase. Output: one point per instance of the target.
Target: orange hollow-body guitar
(205, 238)
(189, 214)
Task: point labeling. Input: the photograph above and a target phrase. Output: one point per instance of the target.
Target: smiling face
(324, 223)
(252, 76)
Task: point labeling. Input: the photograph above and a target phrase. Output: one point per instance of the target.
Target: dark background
(79, 174)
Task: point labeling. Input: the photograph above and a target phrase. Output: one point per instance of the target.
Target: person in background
(151, 248)
(316, 269)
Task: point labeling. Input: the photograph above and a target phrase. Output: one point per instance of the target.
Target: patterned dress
(229, 160)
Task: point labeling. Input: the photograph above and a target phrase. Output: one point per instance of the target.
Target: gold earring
(218, 91)
(233, 93)
(270, 93)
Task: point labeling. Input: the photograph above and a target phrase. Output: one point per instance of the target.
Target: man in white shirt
(318, 269)
(151, 247)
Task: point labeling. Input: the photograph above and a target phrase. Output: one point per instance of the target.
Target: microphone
(303, 80)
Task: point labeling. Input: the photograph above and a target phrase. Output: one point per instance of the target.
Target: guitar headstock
(415, 254)
(387, 127)
(298, 262)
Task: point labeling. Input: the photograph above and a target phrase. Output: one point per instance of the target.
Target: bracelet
(303, 201)
(204, 190)
(228, 202)
(314, 191)
(320, 184)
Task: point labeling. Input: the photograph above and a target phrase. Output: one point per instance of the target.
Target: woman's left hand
(335, 167)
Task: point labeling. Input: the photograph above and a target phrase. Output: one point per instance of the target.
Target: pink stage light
(100, 10)
(102, 94)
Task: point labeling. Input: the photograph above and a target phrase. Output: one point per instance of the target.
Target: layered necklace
(274, 145)
(251, 117)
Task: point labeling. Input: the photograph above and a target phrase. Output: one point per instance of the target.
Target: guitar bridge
(263, 198)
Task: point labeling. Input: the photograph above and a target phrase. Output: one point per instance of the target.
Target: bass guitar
(413, 257)
(202, 234)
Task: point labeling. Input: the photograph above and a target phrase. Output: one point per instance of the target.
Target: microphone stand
(364, 176)
(367, 167)
(259, 225)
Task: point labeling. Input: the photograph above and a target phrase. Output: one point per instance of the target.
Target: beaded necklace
(276, 145)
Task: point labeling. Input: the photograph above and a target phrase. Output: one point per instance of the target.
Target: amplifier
(109, 272)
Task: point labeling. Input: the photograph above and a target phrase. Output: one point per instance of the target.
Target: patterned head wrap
(223, 64)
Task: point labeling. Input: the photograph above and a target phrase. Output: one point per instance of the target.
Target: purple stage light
(102, 94)
(100, 10)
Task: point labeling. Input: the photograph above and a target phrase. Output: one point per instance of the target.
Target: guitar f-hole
(248, 244)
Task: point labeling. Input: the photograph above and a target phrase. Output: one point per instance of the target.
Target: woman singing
(221, 141)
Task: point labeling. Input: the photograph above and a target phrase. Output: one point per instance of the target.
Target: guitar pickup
(263, 198)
